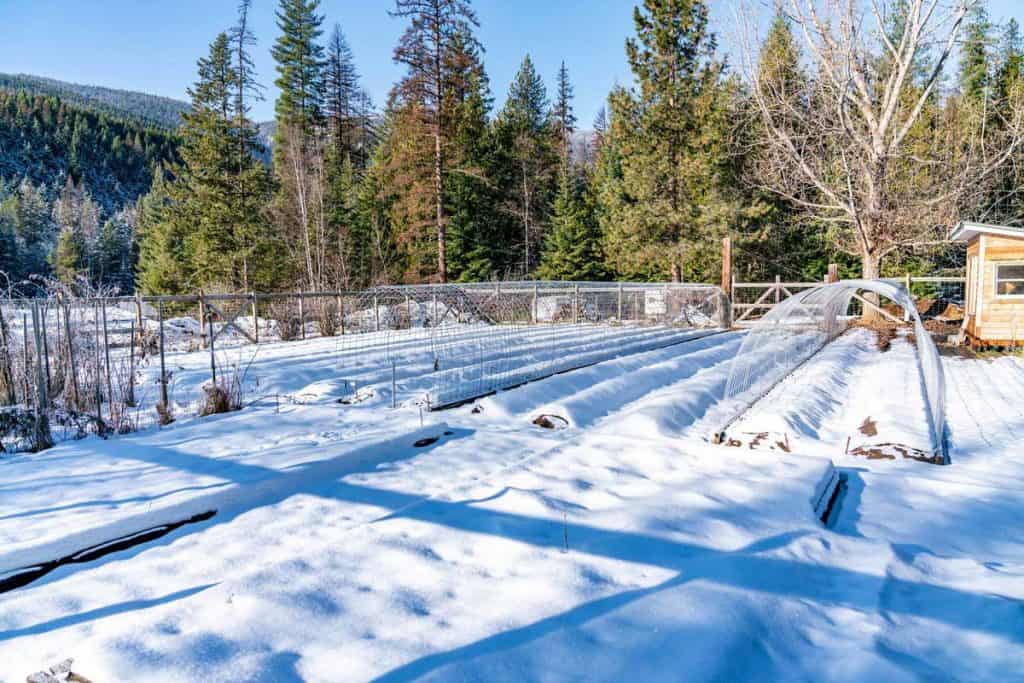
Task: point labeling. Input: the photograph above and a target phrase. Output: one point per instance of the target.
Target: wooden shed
(994, 292)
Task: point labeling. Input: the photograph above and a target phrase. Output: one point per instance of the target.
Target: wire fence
(98, 364)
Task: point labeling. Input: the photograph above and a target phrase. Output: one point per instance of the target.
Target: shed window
(1010, 279)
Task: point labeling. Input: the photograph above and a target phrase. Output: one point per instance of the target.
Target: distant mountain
(151, 110)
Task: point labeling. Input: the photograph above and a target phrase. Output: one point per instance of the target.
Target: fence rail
(751, 301)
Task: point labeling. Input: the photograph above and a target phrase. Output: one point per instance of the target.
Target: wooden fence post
(620, 303)
(536, 295)
(575, 304)
(163, 369)
(106, 354)
(42, 439)
(302, 316)
(213, 358)
(778, 289)
(833, 272)
(96, 385)
(72, 368)
(202, 320)
(46, 347)
(727, 266)
(256, 320)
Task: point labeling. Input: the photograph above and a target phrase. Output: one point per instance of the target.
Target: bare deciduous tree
(859, 135)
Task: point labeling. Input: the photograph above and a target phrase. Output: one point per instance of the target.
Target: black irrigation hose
(25, 575)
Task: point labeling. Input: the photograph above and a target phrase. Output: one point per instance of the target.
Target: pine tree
(564, 118)
(422, 49)
(572, 250)
(300, 62)
(674, 193)
(974, 55)
(341, 99)
(528, 142)
(163, 266)
(69, 256)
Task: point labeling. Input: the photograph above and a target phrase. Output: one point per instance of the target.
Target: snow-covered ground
(623, 546)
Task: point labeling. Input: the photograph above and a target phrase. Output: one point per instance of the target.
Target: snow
(624, 546)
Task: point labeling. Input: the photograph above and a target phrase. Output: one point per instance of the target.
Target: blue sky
(152, 45)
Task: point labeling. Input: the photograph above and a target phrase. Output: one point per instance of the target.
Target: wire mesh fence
(96, 363)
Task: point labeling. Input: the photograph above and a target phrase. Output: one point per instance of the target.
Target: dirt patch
(759, 439)
(869, 427)
(890, 451)
(886, 331)
(551, 422)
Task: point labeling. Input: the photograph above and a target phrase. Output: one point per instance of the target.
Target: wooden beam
(885, 313)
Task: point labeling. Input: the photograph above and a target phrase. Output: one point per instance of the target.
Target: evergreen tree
(529, 145)
(69, 256)
(564, 117)
(341, 100)
(300, 62)
(572, 250)
(163, 266)
(216, 201)
(421, 95)
(674, 189)
(974, 55)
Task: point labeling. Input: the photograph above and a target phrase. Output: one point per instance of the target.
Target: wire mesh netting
(793, 331)
(446, 344)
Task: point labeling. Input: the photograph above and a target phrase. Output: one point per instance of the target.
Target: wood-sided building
(994, 292)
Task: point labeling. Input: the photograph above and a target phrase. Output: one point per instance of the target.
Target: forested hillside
(162, 112)
(69, 181)
(453, 178)
(45, 140)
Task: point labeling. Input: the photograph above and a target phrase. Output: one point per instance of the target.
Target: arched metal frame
(796, 329)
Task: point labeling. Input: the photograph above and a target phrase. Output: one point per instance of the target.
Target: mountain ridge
(155, 110)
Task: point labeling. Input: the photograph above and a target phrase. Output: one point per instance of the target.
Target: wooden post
(25, 386)
(536, 296)
(376, 314)
(575, 304)
(96, 385)
(341, 313)
(163, 368)
(72, 368)
(833, 272)
(42, 427)
(906, 283)
(139, 327)
(106, 354)
(46, 347)
(256, 320)
(202, 321)
(727, 266)
(213, 359)
(302, 316)
(6, 365)
(620, 303)
(131, 368)
(778, 289)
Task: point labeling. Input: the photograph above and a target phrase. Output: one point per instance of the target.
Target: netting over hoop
(793, 331)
